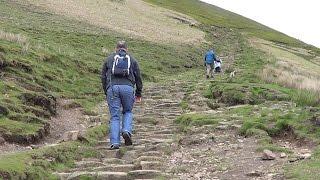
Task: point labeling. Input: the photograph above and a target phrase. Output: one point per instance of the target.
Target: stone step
(91, 159)
(171, 117)
(159, 136)
(151, 165)
(106, 167)
(156, 147)
(139, 133)
(161, 140)
(112, 176)
(139, 147)
(99, 175)
(115, 168)
(86, 164)
(152, 133)
(144, 174)
(168, 105)
(103, 143)
(152, 114)
(148, 158)
(106, 153)
(129, 156)
(171, 113)
(156, 128)
(151, 153)
(164, 131)
(144, 126)
(142, 141)
(153, 141)
(113, 161)
(62, 176)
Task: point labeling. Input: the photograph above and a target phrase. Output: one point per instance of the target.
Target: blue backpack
(210, 57)
(121, 64)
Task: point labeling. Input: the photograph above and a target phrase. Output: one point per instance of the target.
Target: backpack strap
(115, 62)
(129, 62)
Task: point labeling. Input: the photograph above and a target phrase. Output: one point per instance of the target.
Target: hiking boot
(114, 146)
(127, 138)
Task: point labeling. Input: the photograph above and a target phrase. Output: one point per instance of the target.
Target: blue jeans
(120, 96)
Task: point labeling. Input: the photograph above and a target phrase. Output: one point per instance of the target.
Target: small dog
(232, 74)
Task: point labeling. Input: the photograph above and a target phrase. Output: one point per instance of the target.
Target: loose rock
(283, 155)
(304, 156)
(254, 174)
(72, 136)
(268, 155)
(2, 140)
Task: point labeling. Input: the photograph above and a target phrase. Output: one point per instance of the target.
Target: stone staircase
(153, 136)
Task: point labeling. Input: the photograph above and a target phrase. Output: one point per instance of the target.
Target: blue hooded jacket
(210, 57)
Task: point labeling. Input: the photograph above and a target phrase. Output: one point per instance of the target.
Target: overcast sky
(297, 18)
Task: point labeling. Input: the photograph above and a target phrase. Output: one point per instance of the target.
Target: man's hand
(138, 99)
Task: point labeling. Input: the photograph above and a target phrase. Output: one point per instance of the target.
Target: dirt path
(161, 150)
(69, 118)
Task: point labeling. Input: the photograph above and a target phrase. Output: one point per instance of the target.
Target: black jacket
(134, 77)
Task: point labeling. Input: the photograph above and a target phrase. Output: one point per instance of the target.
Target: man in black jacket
(120, 74)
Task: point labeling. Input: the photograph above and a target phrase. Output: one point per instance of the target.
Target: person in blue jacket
(209, 60)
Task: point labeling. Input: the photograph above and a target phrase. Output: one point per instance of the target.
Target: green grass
(196, 119)
(306, 170)
(273, 148)
(244, 93)
(40, 163)
(18, 128)
(276, 119)
(306, 98)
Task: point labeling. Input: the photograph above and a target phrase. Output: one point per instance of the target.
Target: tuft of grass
(277, 119)
(17, 128)
(184, 105)
(18, 38)
(306, 97)
(40, 163)
(246, 93)
(196, 119)
(308, 169)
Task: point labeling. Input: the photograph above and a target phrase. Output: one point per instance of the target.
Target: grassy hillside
(134, 18)
(46, 56)
(47, 53)
(215, 16)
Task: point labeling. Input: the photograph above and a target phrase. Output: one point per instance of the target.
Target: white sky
(297, 18)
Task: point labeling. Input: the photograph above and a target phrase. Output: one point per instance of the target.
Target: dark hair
(122, 45)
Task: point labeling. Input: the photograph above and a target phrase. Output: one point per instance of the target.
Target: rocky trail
(154, 134)
(161, 151)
